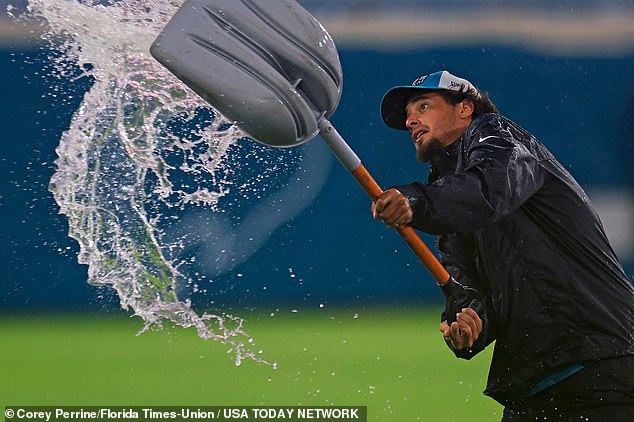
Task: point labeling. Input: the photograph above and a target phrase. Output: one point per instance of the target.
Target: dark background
(332, 253)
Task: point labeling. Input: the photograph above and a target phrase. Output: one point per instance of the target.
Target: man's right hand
(464, 331)
(392, 208)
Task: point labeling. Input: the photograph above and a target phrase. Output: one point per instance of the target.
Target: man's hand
(392, 208)
(464, 331)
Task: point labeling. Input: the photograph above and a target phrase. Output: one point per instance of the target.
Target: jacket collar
(446, 160)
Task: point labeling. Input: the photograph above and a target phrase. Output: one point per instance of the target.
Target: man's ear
(466, 108)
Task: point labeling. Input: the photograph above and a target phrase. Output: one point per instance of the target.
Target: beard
(427, 150)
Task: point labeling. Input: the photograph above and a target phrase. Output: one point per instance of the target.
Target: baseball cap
(395, 100)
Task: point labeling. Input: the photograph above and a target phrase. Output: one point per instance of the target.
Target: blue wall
(332, 252)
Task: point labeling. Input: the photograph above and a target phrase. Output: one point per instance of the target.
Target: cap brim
(394, 102)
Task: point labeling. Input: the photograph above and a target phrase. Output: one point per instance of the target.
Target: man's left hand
(464, 331)
(392, 208)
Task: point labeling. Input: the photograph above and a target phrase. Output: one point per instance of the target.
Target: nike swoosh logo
(486, 137)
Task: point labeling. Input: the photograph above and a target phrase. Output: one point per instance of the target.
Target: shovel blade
(269, 66)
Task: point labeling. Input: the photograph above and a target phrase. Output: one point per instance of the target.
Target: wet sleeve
(465, 290)
(499, 176)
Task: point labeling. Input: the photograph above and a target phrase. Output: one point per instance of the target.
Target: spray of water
(142, 157)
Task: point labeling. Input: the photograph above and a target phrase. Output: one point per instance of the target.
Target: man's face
(434, 123)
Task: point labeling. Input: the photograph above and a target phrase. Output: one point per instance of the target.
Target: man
(531, 265)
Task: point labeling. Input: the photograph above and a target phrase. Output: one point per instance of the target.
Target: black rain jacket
(519, 233)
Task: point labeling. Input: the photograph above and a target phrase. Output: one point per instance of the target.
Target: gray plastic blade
(267, 65)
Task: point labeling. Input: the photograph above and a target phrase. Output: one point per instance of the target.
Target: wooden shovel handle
(413, 240)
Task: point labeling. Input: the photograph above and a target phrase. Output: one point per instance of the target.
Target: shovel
(273, 69)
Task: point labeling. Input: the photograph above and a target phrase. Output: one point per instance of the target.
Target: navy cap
(395, 100)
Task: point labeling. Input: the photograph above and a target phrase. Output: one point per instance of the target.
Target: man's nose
(411, 122)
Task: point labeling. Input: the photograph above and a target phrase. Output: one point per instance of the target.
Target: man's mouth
(418, 135)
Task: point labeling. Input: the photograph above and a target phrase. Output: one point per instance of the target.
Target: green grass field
(392, 361)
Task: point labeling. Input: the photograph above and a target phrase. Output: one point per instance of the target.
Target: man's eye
(422, 107)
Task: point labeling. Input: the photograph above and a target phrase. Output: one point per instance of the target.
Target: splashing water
(141, 152)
